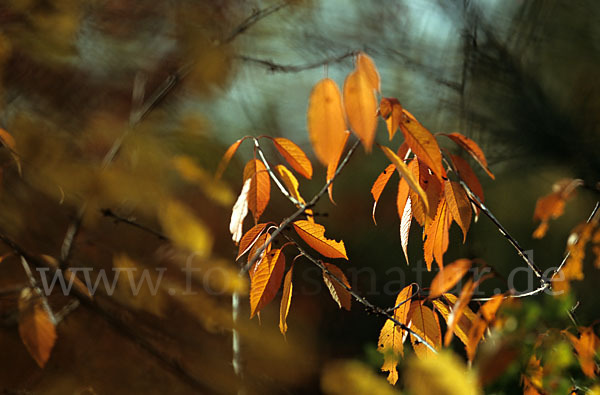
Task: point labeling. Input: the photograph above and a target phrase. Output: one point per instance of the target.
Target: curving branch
(282, 68)
(256, 16)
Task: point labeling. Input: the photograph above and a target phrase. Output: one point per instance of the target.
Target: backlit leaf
(458, 308)
(405, 222)
(475, 335)
(436, 242)
(239, 212)
(260, 187)
(184, 229)
(403, 301)
(339, 293)
(261, 241)
(36, 326)
(286, 300)
(586, 346)
(390, 345)
(361, 107)
(472, 148)
(552, 205)
(489, 308)
(294, 156)
(423, 144)
(390, 110)
(266, 280)
(332, 167)
(366, 65)
(459, 205)
(379, 185)
(227, 157)
(290, 182)
(467, 174)
(448, 276)
(326, 122)
(464, 324)
(406, 174)
(424, 323)
(314, 235)
(250, 238)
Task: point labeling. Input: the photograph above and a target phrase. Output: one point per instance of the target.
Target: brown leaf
(425, 324)
(250, 238)
(489, 308)
(314, 235)
(36, 326)
(390, 110)
(472, 148)
(436, 241)
(260, 187)
(332, 167)
(406, 174)
(366, 65)
(326, 122)
(423, 144)
(379, 185)
(448, 276)
(475, 335)
(553, 205)
(286, 300)
(266, 280)
(586, 346)
(458, 308)
(361, 107)
(339, 293)
(458, 205)
(227, 157)
(294, 156)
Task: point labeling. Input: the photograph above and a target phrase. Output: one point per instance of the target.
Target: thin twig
(282, 68)
(129, 221)
(283, 190)
(253, 19)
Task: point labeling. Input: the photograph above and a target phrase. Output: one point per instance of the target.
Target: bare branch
(130, 221)
(256, 16)
(281, 68)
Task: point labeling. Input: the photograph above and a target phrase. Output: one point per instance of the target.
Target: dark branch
(130, 221)
(281, 68)
(253, 19)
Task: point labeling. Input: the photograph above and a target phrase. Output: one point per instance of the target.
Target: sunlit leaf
(379, 185)
(403, 301)
(366, 65)
(260, 187)
(391, 111)
(338, 292)
(184, 229)
(261, 241)
(464, 324)
(436, 242)
(553, 205)
(390, 345)
(290, 182)
(361, 107)
(248, 240)
(405, 222)
(448, 276)
(36, 326)
(488, 309)
(332, 167)
(586, 345)
(459, 205)
(314, 235)
(286, 300)
(423, 144)
(266, 280)
(458, 308)
(424, 323)
(239, 212)
(326, 122)
(227, 157)
(467, 174)
(294, 156)
(472, 148)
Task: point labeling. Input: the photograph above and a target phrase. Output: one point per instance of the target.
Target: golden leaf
(338, 292)
(314, 235)
(366, 65)
(586, 346)
(227, 157)
(294, 156)
(379, 185)
(458, 205)
(423, 144)
(250, 238)
(361, 107)
(286, 300)
(436, 242)
(390, 345)
(391, 111)
(332, 167)
(290, 182)
(448, 276)
(424, 323)
(266, 280)
(472, 148)
(260, 187)
(36, 326)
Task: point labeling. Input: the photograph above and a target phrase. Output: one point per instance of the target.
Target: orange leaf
(459, 205)
(433, 189)
(390, 110)
(250, 238)
(332, 167)
(404, 297)
(227, 157)
(366, 65)
(464, 324)
(458, 309)
(379, 184)
(326, 123)
(361, 107)
(475, 335)
(314, 235)
(425, 324)
(36, 326)
(552, 205)
(339, 293)
(586, 346)
(266, 280)
(260, 187)
(286, 300)
(417, 206)
(260, 241)
(290, 182)
(448, 276)
(239, 212)
(406, 174)
(436, 241)
(423, 144)
(472, 148)
(489, 308)
(390, 345)
(294, 156)
(405, 222)
(467, 174)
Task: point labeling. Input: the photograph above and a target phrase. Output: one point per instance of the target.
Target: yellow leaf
(424, 323)
(286, 300)
(332, 167)
(423, 144)
(326, 123)
(36, 326)
(448, 276)
(361, 107)
(353, 378)
(184, 229)
(406, 174)
(314, 235)
(436, 242)
(459, 205)
(239, 212)
(391, 111)
(290, 182)
(489, 308)
(472, 148)
(462, 327)
(366, 65)
(404, 300)
(458, 308)
(338, 292)
(390, 345)
(260, 187)
(294, 156)
(379, 184)
(265, 280)
(227, 157)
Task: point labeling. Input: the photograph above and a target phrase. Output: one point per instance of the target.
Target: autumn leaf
(458, 205)
(403, 301)
(586, 345)
(184, 229)
(424, 323)
(423, 144)
(262, 240)
(390, 345)
(366, 65)
(379, 185)
(433, 189)
(466, 173)
(290, 182)
(266, 280)
(227, 157)
(390, 110)
(573, 267)
(361, 107)
(338, 292)
(406, 174)
(250, 238)
(36, 326)
(352, 377)
(405, 222)
(552, 206)
(332, 167)
(294, 156)
(464, 324)
(326, 122)
(475, 335)
(260, 187)
(448, 276)
(239, 212)
(436, 242)
(489, 308)
(458, 308)
(7, 140)
(286, 300)
(472, 148)
(314, 235)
